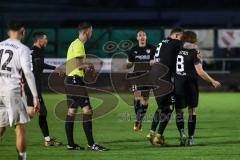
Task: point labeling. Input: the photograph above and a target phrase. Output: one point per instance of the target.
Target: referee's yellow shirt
(76, 49)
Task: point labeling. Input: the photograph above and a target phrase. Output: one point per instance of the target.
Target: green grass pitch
(217, 134)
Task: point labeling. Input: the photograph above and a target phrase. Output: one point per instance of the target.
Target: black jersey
(141, 55)
(38, 67)
(186, 59)
(38, 62)
(167, 52)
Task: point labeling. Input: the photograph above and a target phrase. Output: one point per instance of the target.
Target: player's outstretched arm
(205, 76)
(58, 70)
(47, 66)
(26, 65)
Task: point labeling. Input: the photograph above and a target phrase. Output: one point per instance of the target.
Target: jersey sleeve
(47, 66)
(26, 65)
(130, 56)
(78, 50)
(36, 62)
(195, 58)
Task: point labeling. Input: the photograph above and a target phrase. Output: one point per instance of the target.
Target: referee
(40, 42)
(75, 70)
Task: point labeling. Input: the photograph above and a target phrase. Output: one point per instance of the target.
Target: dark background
(59, 18)
(68, 13)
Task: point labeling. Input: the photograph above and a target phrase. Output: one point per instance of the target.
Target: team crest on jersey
(148, 51)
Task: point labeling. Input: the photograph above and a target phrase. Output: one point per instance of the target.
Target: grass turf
(217, 134)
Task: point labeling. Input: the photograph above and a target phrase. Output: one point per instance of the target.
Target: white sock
(23, 155)
(47, 138)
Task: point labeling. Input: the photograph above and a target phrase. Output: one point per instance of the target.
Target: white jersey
(14, 58)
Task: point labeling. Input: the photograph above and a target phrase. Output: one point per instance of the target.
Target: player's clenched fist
(216, 84)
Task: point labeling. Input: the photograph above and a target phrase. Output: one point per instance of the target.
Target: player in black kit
(166, 54)
(139, 57)
(188, 68)
(40, 42)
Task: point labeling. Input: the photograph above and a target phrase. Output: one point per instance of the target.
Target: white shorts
(13, 110)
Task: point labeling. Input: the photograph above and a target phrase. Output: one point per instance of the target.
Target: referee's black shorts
(186, 92)
(77, 95)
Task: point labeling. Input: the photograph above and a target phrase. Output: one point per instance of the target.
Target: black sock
(87, 127)
(156, 119)
(180, 122)
(43, 125)
(164, 119)
(136, 106)
(69, 124)
(141, 113)
(191, 125)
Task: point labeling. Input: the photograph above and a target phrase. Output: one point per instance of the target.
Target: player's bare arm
(205, 76)
(188, 45)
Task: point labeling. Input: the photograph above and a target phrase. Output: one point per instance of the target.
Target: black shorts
(145, 89)
(186, 92)
(43, 109)
(77, 94)
(167, 99)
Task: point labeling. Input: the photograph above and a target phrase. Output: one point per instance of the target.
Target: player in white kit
(14, 59)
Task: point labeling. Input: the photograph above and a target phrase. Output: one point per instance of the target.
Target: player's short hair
(176, 30)
(38, 35)
(140, 30)
(15, 25)
(84, 26)
(189, 36)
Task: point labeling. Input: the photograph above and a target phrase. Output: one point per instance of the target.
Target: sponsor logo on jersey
(148, 51)
(136, 52)
(143, 57)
